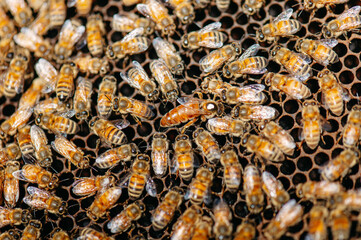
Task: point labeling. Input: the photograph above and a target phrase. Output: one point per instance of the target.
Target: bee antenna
(53, 169)
(93, 168)
(31, 122)
(252, 34)
(299, 14)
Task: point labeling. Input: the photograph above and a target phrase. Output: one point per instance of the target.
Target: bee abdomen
(136, 186)
(185, 162)
(64, 88)
(222, 5)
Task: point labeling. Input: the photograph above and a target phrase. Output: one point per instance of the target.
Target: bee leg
(137, 120)
(188, 125)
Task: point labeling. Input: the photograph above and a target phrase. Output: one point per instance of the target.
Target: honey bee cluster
(189, 119)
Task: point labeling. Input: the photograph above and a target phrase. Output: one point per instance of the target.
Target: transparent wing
(329, 42)
(35, 202)
(252, 92)
(19, 174)
(38, 137)
(71, 3)
(354, 11)
(185, 100)
(251, 51)
(27, 39)
(212, 61)
(67, 113)
(284, 15)
(141, 70)
(151, 187)
(135, 33)
(304, 57)
(143, 9)
(61, 145)
(163, 48)
(84, 186)
(263, 112)
(270, 182)
(22, 114)
(124, 181)
(48, 73)
(121, 124)
(34, 191)
(286, 140)
(81, 92)
(130, 81)
(211, 27)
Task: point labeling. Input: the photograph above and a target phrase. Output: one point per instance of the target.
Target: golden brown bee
(42, 149)
(349, 20)
(287, 84)
(103, 202)
(245, 231)
(13, 216)
(214, 85)
(281, 26)
(127, 22)
(54, 106)
(318, 225)
(106, 92)
(107, 131)
(65, 84)
(159, 14)
(82, 98)
(20, 10)
(249, 94)
(24, 140)
(7, 48)
(164, 77)
(36, 174)
(228, 125)
(232, 169)
(136, 108)
(83, 7)
(208, 145)
(191, 109)
(251, 7)
(340, 222)
(57, 13)
(164, 212)
(59, 234)
(311, 120)
(296, 64)
(185, 225)
(252, 187)
(9, 153)
(274, 190)
(350, 200)
(56, 124)
(183, 157)
(69, 35)
(41, 199)
(32, 95)
(10, 235)
(95, 30)
(91, 65)
(351, 134)
(246, 64)
(48, 73)
(290, 214)
(183, 9)
(138, 78)
(254, 113)
(11, 184)
(203, 229)
(113, 156)
(88, 186)
(215, 59)
(132, 43)
(123, 221)
(32, 230)
(41, 24)
(17, 120)
(7, 28)
(169, 54)
(160, 155)
(91, 234)
(28, 39)
(318, 190)
(199, 188)
(70, 151)
(222, 227)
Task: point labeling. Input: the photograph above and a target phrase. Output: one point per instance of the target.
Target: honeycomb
(303, 166)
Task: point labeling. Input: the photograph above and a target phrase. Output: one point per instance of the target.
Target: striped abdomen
(140, 109)
(296, 89)
(181, 114)
(163, 215)
(185, 165)
(351, 135)
(223, 5)
(136, 186)
(210, 149)
(114, 135)
(211, 37)
(287, 27)
(312, 133)
(13, 83)
(24, 141)
(108, 159)
(94, 40)
(57, 12)
(136, 45)
(63, 125)
(297, 66)
(64, 87)
(232, 177)
(333, 100)
(198, 191)
(269, 151)
(324, 55)
(252, 63)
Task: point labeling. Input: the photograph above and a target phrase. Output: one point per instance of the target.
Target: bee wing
(27, 39)
(84, 186)
(211, 27)
(35, 202)
(329, 42)
(141, 70)
(34, 191)
(263, 112)
(251, 51)
(70, 33)
(185, 100)
(284, 15)
(151, 187)
(38, 137)
(4, 221)
(163, 48)
(135, 33)
(71, 3)
(144, 9)
(289, 211)
(251, 92)
(354, 11)
(19, 174)
(121, 124)
(125, 180)
(214, 58)
(22, 113)
(67, 114)
(61, 145)
(286, 139)
(270, 182)
(304, 57)
(80, 91)
(48, 73)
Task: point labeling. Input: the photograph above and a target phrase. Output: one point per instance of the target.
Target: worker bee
(287, 84)
(274, 190)
(48, 73)
(290, 214)
(13, 216)
(318, 225)
(42, 149)
(160, 155)
(250, 94)
(17, 120)
(41, 24)
(136, 108)
(165, 79)
(159, 14)
(311, 120)
(132, 43)
(183, 158)
(199, 188)
(245, 231)
(95, 30)
(83, 7)
(91, 65)
(349, 20)
(88, 186)
(65, 84)
(54, 106)
(351, 199)
(138, 78)
(20, 10)
(59, 234)
(208, 145)
(351, 133)
(340, 223)
(251, 7)
(127, 22)
(332, 92)
(28, 39)
(82, 98)
(318, 190)
(277, 135)
(32, 95)
(123, 221)
(44, 200)
(185, 225)
(12, 234)
(56, 124)
(69, 35)
(254, 113)
(246, 64)
(214, 85)
(24, 141)
(203, 229)
(281, 26)
(70, 151)
(215, 59)
(36, 174)
(232, 169)
(222, 215)
(32, 230)
(183, 9)
(9, 153)
(7, 28)
(296, 64)
(57, 13)
(107, 131)
(113, 156)
(169, 54)
(191, 109)
(107, 89)
(91, 234)
(103, 202)
(228, 125)
(11, 184)
(252, 186)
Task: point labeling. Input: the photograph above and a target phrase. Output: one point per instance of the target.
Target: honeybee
(82, 98)
(42, 149)
(281, 26)
(199, 188)
(340, 223)
(165, 79)
(136, 108)
(41, 24)
(318, 226)
(12, 234)
(183, 157)
(106, 92)
(252, 186)
(7, 28)
(203, 229)
(33, 42)
(54, 106)
(290, 214)
(351, 134)
(91, 65)
(246, 64)
(185, 225)
(215, 59)
(13, 216)
(160, 155)
(274, 190)
(251, 7)
(103, 202)
(228, 125)
(138, 78)
(127, 22)
(9, 153)
(56, 124)
(20, 10)
(232, 169)
(17, 120)
(123, 221)
(183, 9)
(91, 234)
(41, 199)
(113, 156)
(11, 184)
(7, 47)
(88, 186)
(70, 151)
(32, 95)
(70, 33)
(297, 64)
(311, 120)
(318, 190)
(277, 135)
(107, 131)
(83, 7)
(287, 84)
(349, 20)
(59, 234)
(245, 231)
(32, 230)
(350, 199)
(48, 73)
(132, 43)
(207, 144)
(169, 54)
(95, 30)
(191, 109)
(249, 94)
(222, 215)
(57, 13)
(312, 4)
(255, 113)
(333, 93)
(65, 84)
(36, 174)
(159, 14)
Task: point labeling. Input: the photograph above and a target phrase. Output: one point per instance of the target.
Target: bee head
(248, 9)
(260, 36)
(275, 50)
(227, 72)
(309, 4)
